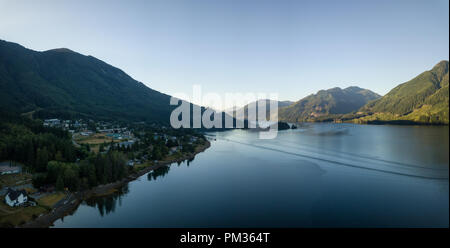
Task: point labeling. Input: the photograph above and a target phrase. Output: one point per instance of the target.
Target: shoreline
(75, 199)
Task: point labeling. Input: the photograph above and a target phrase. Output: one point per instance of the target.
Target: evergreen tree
(41, 159)
(59, 183)
(59, 156)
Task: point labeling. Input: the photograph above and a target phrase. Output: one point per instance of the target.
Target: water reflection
(159, 172)
(320, 175)
(189, 161)
(107, 204)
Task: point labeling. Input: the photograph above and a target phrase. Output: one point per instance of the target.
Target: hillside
(424, 99)
(327, 104)
(254, 107)
(64, 83)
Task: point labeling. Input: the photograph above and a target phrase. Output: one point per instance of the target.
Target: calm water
(320, 175)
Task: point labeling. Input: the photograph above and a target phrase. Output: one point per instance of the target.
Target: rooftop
(14, 194)
(5, 168)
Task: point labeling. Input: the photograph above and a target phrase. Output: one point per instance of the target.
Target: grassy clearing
(138, 167)
(30, 190)
(95, 139)
(29, 114)
(14, 216)
(10, 216)
(95, 148)
(50, 200)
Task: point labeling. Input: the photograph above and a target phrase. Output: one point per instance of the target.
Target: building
(6, 169)
(106, 130)
(52, 122)
(86, 133)
(116, 136)
(174, 149)
(126, 144)
(16, 197)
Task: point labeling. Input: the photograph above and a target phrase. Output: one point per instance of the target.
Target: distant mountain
(424, 99)
(282, 104)
(254, 107)
(327, 104)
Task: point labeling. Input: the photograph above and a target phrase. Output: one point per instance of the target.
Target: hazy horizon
(290, 47)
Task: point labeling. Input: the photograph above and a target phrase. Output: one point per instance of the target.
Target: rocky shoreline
(75, 199)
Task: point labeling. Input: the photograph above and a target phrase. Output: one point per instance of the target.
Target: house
(16, 197)
(126, 144)
(106, 130)
(116, 136)
(86, 133)
(174, 149)
(6, 169)
(52, 122)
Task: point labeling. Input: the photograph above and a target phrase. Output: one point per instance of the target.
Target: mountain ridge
(328, 104)
(423, 99)
(254, 107)
(63, 82)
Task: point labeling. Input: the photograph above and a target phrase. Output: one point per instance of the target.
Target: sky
(292, 48)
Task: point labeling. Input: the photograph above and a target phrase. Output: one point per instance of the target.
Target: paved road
(75, 143)
(64, 200)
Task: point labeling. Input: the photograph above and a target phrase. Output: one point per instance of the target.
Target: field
(50, 200)
(13, 216)
(138, 167)
(10, 216)
(95, 139)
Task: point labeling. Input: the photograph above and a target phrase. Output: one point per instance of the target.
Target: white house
(130, 163)
(86, 133)
(126, 144)
(16, 197)
(52, 122)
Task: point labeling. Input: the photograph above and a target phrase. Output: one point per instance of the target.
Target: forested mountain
(327, 104)
(424, 99)
(254, 107)
(61, 83)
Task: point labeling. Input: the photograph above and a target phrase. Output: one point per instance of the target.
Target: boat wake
(355, 161)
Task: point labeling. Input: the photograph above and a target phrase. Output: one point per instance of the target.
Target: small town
(28, 194)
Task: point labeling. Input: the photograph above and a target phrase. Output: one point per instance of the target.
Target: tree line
(50, 155)
(95, 170)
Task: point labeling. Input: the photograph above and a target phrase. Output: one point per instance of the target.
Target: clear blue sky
(294, 48)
